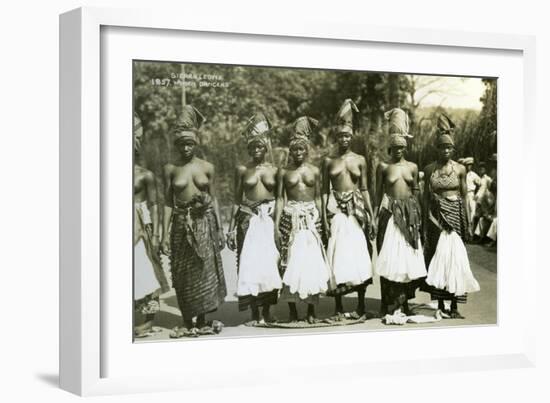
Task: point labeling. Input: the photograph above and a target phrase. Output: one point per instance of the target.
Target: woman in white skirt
(347, 216)
(400, 263)
(298, 225)
(251, 231)
(447, 220)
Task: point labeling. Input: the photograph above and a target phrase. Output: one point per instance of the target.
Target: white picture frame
(84, 343)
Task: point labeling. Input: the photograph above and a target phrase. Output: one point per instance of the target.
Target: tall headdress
(138, 132)
(188, 124)
(344, 117)
(301, 130)
(257, 129)
(445, 130)
(398, 127)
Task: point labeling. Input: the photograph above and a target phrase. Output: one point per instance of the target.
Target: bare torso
(399, 179)
(345, 171)
(190, 179)
(300, 182)
(140, 183)
(258, 181)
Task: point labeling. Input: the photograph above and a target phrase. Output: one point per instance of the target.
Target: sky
(449, 92)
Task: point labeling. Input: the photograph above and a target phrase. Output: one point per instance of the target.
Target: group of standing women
(301, 231)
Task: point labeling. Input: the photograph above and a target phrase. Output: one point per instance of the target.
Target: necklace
(441, 171)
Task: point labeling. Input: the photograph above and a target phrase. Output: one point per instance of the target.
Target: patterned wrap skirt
(196, 264)
(449, 274)
(400, 262)
(257, 267)
(349, 249)
(303, 263)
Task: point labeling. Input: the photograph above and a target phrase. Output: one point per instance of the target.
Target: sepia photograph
(275, 201)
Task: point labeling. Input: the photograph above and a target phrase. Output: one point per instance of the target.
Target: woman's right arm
(379, 188)
(325, 191)
(279, 204)
(168, 207)
(238, 186)
(426, 199)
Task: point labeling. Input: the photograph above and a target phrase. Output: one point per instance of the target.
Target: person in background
(492, 232)
(484, 180)
(147, 281)
(347, 216)
(446, 221)
(473, 182)
(421, 186)
(298, 225)
(192, 233)
(486, 206)
(251, 231)
(400, 263)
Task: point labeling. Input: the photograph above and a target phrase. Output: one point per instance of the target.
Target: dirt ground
(481, 308)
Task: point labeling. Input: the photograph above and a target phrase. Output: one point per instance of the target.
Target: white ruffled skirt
(347, 252)
(145, 281)
(259, 258)
(307, 272)
(450, 268)
(398, 261)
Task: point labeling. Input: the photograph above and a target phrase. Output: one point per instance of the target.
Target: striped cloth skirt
(196, 264)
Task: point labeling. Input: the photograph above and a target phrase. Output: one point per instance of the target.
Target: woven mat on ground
(305, 325)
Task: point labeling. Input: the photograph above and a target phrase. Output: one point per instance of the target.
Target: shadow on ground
(230, 315)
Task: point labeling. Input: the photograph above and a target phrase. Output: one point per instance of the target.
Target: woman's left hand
(373, 230)
(221, 239)
(155, 243)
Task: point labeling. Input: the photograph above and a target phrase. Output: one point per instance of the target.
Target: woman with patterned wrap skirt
(298, 225)
(251, 231)
(446, 220)
(400, 263)
(347, 215)
(192, 233)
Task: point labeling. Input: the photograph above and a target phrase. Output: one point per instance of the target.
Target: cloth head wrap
(398, 127)
(258, 128)
(344, 117)
(302, 129)
(188, 124)
(138, 132)
(445, 130)
(398, 140)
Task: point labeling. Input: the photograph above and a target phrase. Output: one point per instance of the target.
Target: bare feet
(456, 315)
(312, 319)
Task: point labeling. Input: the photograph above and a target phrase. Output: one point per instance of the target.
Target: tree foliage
(228, 95)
